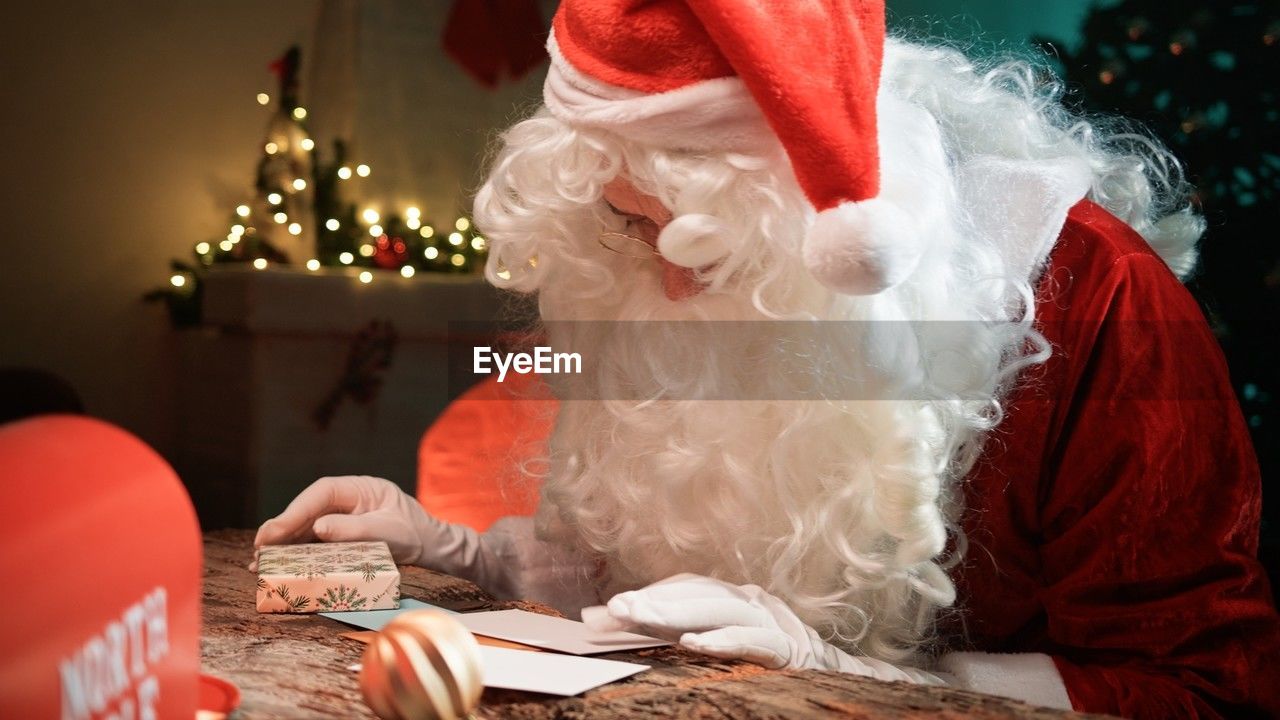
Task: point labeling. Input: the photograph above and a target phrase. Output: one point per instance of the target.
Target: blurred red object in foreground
(482, 458)
(101, 555)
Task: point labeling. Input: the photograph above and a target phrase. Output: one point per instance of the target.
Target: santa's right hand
(356, 508)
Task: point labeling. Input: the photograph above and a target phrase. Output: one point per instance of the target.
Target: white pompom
(694, 241)
(863, 248)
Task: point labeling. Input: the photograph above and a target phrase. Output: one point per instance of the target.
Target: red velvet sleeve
(1154, 602)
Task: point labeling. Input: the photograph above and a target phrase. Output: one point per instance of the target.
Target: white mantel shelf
(285, 300)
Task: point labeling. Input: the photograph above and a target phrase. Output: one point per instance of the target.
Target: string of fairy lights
(405, 242)
(298, 219)
(459, 240)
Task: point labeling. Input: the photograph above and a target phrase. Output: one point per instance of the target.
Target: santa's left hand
(735, 622)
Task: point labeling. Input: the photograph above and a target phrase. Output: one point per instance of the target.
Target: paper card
(367, 636)
(378, 619)
(563, 675)
(553, 633)
(552, 674)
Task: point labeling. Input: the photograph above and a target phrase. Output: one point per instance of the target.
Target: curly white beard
(840, 507)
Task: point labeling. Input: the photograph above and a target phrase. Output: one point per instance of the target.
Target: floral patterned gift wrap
(327, 577)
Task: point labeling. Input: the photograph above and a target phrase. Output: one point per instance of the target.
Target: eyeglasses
(627, 245)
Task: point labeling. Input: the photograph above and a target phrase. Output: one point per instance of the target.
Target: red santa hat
(729, 75)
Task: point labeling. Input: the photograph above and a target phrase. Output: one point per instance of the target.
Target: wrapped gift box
(327, 577)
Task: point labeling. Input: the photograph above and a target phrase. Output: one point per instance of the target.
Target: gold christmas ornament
(423, 666)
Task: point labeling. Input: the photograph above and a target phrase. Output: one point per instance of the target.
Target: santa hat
(729, 75)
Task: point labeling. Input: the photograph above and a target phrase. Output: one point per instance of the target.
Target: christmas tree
(1202, 77)
(280, 214)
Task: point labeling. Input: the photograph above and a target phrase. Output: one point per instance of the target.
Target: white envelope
(563, 675)
(552, 674)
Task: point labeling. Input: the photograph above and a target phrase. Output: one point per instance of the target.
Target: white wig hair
(842, 507)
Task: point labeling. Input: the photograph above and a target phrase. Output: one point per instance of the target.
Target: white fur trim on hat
(708, 116)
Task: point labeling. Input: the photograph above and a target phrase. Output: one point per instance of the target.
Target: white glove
(355, 508)
(736, 622)
(507, 561)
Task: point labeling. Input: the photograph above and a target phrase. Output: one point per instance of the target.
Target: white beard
(835, 506)
(842, 507)
(839, 507)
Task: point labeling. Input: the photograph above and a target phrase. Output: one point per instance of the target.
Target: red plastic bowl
(218, 698)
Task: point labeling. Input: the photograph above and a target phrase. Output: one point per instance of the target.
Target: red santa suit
(1112, 521)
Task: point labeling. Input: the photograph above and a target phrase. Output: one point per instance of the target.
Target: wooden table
(295, 666)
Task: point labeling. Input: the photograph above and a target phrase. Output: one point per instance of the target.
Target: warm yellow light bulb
(308, 144)
(504, 274)
(260, 264)
(457, 260)
(427, 231)
(462, 224)
(344, 173)
(202, 248)
(366, 250)
(362, 170)
(412, 212)
(346, 258)
(366, 277)
(299, 113)
(313, 264)
(455, 238)
(370, 215)
(295, 229)
(299, 184)
(280, 218)
(431, 253)
(226, 245)
(272, 148)
(332, 224)
(413, 223)
(407, 271)
(263, 98)
(237, 229)
(178, 280)
(243, 211)
(477, 243)
(275, 198)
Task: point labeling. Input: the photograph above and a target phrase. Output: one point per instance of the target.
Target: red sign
(100, 554)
